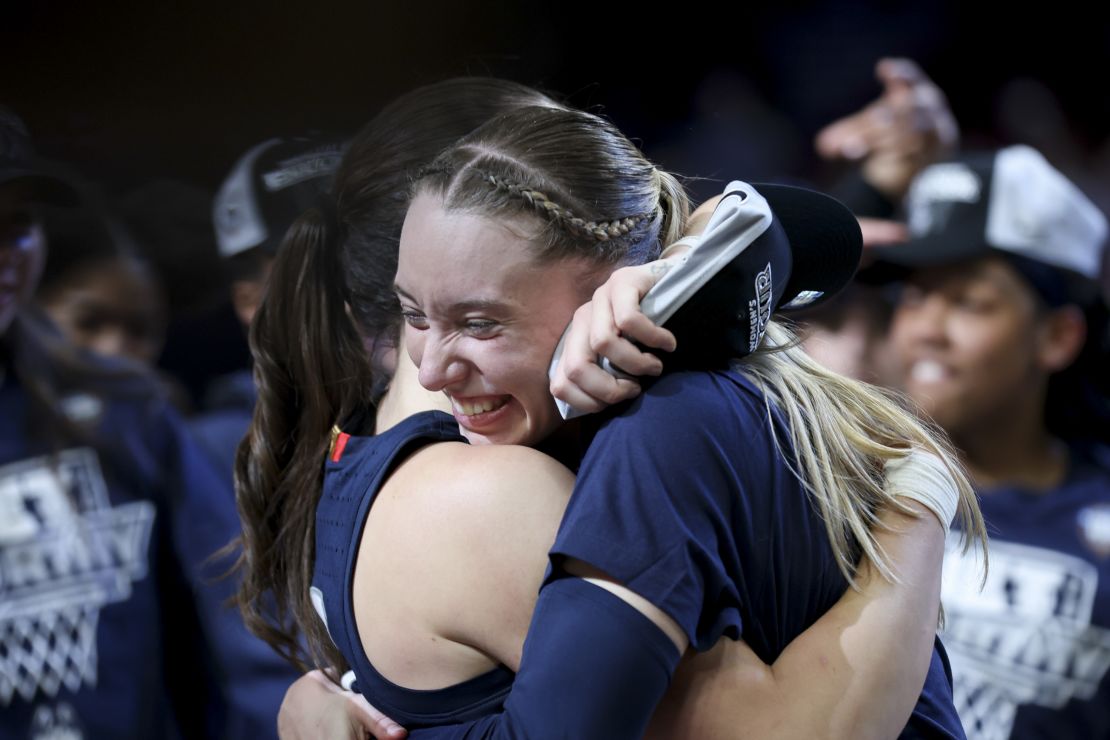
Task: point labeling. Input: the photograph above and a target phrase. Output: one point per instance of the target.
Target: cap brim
(931, 250)
(41, 185)
(825, 243)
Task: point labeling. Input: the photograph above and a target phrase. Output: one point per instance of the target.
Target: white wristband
(923, 477)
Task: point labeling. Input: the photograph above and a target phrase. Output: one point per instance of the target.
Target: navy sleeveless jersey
(687, 499)
(350, 485)
(1031, 651)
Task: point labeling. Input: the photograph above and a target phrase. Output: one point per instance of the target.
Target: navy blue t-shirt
(1031, 652)
(111, 625)
(687, 499)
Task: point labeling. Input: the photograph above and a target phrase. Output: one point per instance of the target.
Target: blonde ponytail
(842, 433)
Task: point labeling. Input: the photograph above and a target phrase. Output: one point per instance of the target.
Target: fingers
(608, 327)
(880, 231)
(605, 390)
(846, 138)
(911, 90)
(899, 72)
(372, 720)
(578, 379)
(910, 117)
(607, 340)
(622, 296)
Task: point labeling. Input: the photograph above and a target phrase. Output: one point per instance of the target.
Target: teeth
(928, 371)
(470, 409)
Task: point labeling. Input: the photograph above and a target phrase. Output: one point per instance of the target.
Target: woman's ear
(1061, 336)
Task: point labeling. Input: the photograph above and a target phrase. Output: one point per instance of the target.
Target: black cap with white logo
(767, 248)
(1011, 202)
(270, 186)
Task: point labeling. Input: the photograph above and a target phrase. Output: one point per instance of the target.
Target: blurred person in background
(265, 192)
(269, 187)
(103, 293)
(908, 127)
(106, 517)
(104, 297)
(991, 318)
(1000, 337)
(170, 222)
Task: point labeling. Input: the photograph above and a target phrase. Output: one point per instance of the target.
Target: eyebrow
(476, 304)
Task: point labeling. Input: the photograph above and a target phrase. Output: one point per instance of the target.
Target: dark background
(175, 89)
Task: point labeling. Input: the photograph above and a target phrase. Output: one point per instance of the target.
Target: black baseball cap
(269, 187)
(1009, 202)
(767, 248)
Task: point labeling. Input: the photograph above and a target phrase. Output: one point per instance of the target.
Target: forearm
(855, 673)
(863, 665)
(593, 667)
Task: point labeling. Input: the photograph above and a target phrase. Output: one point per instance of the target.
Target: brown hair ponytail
(330, 297)
(311, 370)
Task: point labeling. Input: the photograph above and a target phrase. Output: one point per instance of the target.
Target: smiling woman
(582, 197)
(972, 344)
(483, 316)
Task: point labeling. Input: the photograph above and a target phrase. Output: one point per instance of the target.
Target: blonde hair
(594, 195)
(842, 432)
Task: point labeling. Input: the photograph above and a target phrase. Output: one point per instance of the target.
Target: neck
(406, 396)
(1017, 451)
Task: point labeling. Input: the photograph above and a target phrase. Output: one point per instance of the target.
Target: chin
(493, 438)
(945, 414)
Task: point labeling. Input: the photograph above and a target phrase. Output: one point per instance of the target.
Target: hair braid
(540, 203)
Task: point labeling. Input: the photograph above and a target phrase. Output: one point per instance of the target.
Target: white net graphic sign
(1026, 639)
(64, 554)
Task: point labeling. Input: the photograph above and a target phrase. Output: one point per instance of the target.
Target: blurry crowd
(982, 297)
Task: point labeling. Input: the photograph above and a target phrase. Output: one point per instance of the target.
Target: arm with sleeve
(593, 667)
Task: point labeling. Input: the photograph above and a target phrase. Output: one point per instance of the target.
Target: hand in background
(908, 127)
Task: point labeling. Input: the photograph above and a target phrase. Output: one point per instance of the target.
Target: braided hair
(594, 193)
(602, 231)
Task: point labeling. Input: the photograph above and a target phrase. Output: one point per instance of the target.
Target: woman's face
(22, 252)
(966, 337)
(112, 307)
(483, 318)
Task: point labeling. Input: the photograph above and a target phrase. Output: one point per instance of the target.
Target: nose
(921, 318)
(440, 366)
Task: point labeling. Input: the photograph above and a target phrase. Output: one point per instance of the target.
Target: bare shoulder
(464, 532)
(481, 486)
(471, 508)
